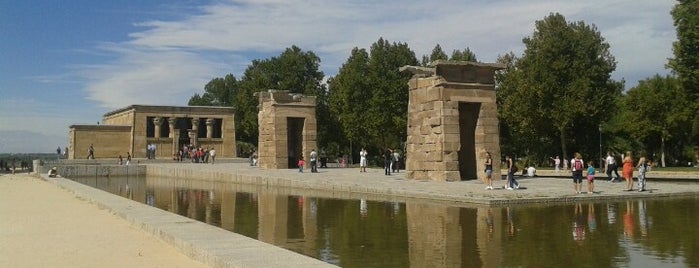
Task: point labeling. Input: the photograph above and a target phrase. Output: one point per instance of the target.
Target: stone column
(195, 124)
(172, 121)
(209, 128)
(157, 122)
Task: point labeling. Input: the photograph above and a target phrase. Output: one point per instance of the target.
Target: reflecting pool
(377, 233)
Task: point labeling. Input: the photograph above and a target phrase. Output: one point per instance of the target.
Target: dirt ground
(42, 225)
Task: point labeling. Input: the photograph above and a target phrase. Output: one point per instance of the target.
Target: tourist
(643, 167)
(591, 177)
(395, 161)
(128, 158)
(301, 163)
(556, 164)
(488, 179)
(388, 156)
(611, 166)
(212, 153)
(323, 159)
(531, 171)
(511, 169)
(91, 152)
(577, 166)
(53, 173)
(121, 160)
(254, 158)
(627, 171)
(362, 160)
(314, 161)
(58, 152)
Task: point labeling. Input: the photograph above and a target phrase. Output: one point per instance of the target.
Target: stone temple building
(132, 128)
(287, 128)
(452, 121)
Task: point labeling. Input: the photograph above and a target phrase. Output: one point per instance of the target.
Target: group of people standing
(578, 168)
(627, 170)
(390, 156)
(196, 154)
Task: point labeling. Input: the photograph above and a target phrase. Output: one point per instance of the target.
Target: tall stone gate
(452, 121)
(287, 128)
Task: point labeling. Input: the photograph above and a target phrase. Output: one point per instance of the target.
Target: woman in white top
(362, 160)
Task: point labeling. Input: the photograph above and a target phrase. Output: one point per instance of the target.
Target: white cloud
(169, 60)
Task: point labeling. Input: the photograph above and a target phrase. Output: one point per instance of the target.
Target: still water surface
(368, 233)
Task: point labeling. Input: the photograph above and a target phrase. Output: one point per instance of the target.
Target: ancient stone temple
(133, 128)
(287, 128)
(452, 121)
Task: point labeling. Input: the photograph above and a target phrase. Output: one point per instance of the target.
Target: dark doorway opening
(294, 139)
(182, 125)
(468, 118)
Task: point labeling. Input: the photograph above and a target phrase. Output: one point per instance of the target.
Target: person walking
(591, 177)
(577, 166)
(488, 179)
(314, 161)
(511, 169)
(212, 154)
(611, 166)
(643, 167)
(627, 171)
(128, 158)
(362, 160)
(301, 163)
(387, 156)
(395, 161)
(91, 152)
(556, 164)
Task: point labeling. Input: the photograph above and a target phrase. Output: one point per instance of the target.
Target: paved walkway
(42, 225)
(374, 182)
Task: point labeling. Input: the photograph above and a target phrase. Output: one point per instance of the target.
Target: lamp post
(599, 127)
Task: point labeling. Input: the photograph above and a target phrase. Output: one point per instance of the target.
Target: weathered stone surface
(165, 122)
(434, 130)
(277, 106)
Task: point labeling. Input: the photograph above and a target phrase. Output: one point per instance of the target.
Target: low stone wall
(90, 170)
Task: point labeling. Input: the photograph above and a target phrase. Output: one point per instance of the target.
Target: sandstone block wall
(434, 120)
(276, 107)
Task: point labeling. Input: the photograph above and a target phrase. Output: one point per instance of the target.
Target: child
(642, 169)
(301, 164)
(591, 177)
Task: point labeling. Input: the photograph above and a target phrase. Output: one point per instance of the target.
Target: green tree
(369, 97)
(349, 95)
(437, 54)
(218, 92)
(293, 70)
(466, 55)
(562, 84)
(685, 63)
(656, 115)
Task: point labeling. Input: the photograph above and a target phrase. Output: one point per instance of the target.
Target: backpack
(578, 165)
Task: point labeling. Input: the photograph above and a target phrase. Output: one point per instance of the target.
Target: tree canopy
(562, 84)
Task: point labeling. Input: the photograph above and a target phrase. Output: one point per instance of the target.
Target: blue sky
(69, 62)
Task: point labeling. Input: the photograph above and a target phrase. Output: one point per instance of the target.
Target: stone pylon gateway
(287, 128)
(452, 121)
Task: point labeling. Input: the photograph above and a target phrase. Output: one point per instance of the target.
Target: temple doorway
(294, 140)
(468, 118)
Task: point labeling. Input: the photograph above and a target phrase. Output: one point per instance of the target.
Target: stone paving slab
(374, 182)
